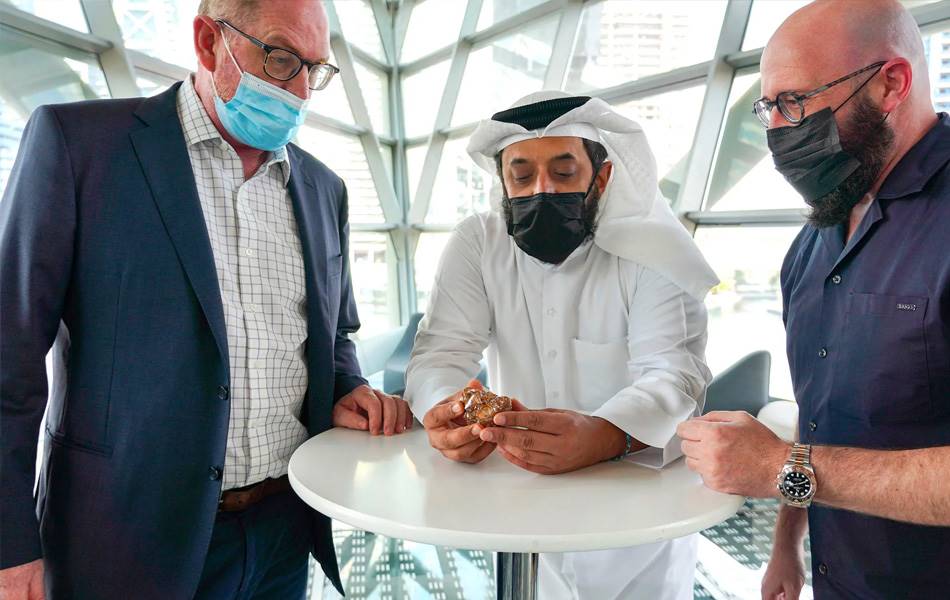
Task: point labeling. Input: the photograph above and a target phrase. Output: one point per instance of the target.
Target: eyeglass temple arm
(841, 80)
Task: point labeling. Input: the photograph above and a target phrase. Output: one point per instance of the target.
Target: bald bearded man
(866, 291)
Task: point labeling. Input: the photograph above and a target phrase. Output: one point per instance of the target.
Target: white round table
(402, 488)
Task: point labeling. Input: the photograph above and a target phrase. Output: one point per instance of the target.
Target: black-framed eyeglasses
(792, 104)
(283, 64)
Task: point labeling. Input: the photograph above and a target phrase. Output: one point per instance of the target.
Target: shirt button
(214, 473)
(823, 569)
(836, 279)
(223, 392)
(822, 353)
(252, 307)
(248, 252)
(812, 425)
(551, 312)
(555, 395)
(552, 354)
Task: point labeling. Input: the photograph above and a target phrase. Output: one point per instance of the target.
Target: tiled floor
(732, 557)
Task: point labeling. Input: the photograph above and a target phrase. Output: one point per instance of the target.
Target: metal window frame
(26, 22)
(480, 38)
(423, 195)
(713, 111)
(405, 219)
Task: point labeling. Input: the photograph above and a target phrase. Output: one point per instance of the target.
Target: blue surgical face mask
(260, 115)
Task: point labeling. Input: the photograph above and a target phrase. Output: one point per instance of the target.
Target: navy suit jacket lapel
(160, 149)
(312, 219)
(310, 225)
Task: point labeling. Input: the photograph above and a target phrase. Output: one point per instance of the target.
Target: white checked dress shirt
(259, 261)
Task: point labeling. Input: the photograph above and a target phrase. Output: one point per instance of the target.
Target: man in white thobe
(587, 295)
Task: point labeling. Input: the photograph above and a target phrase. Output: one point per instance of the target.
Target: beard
(588, 215)
(869, 139)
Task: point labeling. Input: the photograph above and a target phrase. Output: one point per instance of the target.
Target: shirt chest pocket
(881, 375)
(600, 371)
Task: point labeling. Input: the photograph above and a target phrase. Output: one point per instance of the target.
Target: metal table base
(517, 576)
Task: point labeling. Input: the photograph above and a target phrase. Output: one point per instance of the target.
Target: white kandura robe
(598, 334)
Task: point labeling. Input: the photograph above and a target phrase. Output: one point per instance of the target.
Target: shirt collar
(921, 162)
(198, 127)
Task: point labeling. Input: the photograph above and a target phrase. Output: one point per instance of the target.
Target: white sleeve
(666, 339)
(456, 328)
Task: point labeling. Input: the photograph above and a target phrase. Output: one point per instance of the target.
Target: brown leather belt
(245, 497)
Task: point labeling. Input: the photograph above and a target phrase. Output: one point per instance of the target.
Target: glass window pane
(669, 121)
(150, 83)
(433, 24)
(764, 19)
(620, 41)
(461, 187)
(426, 263)
(373, 271)
(743, 167)
(159, 28)
(937, 51)
(64, 12)
(45, 73)
(494, 11)
(375, 87)
(344, 155)
(745, 309)
(359, 26)
(415, 158)
(422, 92)
(331, 101)
(508, 68)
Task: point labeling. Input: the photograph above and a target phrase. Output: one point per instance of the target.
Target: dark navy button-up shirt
(868, 328)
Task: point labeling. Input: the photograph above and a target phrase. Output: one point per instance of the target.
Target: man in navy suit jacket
(108, 255)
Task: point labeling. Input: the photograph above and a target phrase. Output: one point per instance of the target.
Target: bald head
(835, 35)
(828, 39)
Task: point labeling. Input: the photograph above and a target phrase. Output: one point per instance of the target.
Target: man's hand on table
(450, 433)
(734, 453)
(555, 441)
(371, 410)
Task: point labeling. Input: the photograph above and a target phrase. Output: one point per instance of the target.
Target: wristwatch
(796, 481)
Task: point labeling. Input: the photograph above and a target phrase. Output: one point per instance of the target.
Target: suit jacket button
(223, 392)
(214, 473)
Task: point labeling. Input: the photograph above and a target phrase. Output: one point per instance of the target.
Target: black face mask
(551, 226)
(831, 170)
(809, 155)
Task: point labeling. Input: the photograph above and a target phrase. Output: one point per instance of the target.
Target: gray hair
(236, 12)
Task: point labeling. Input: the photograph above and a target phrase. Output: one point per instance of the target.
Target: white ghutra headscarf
(634, 221)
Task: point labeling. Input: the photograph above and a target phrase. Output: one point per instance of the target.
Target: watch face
(796, 486)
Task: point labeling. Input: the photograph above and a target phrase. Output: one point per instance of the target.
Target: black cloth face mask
(809, 155)
(550, 226)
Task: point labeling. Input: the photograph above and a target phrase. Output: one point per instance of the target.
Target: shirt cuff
(646, 421)
(422, 398)
(657, 458)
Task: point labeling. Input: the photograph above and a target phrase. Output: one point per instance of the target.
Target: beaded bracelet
(626, 450)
